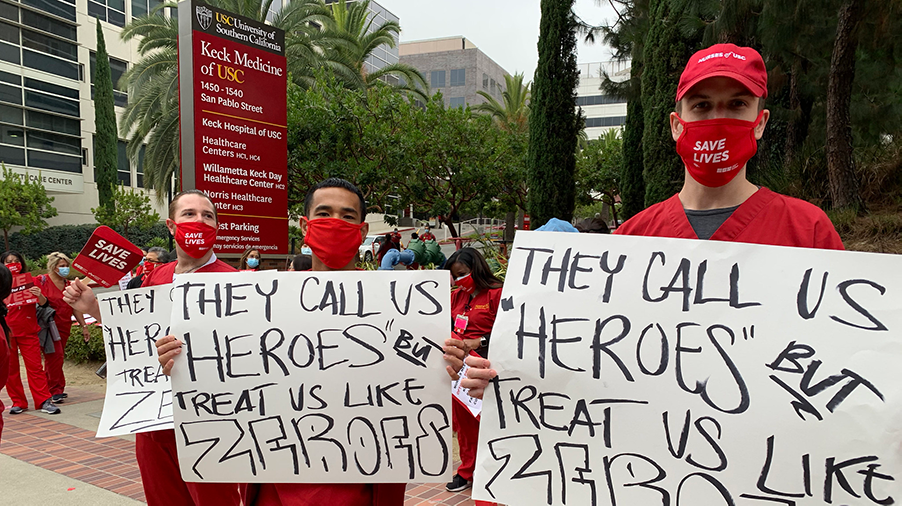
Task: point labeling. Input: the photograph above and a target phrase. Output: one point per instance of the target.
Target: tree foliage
(554, 121)
(798, 41)
(23, 203)
(512, 113)
(598, 170)
(129, 209)
(106, 135)
(439, 160)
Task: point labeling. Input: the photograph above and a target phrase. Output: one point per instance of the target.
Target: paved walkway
(34, 443)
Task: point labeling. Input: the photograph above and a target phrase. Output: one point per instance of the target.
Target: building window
(117, 68)
(124, 170)
(610, 121)
(46, 140)
(47, 50)
(139, 171)
(62, 8)
(111, 11)
(598, 100)
(492, 86)
(437, 79)
(485, 81)
(458, 102)
(145, 7)
(458, 77)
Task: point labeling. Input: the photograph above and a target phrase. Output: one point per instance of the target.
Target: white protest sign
(463, 394)
(314, 377)
(642, 371)
(123, 281)
(137, 392)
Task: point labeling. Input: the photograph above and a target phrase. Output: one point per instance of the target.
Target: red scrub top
(63, 316)
(479, 311)
(764, 218)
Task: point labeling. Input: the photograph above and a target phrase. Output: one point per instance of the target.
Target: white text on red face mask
(711, 151)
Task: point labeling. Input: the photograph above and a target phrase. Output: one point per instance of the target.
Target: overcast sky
(506, 30)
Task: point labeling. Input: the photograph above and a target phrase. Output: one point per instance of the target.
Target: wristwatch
(484, 341)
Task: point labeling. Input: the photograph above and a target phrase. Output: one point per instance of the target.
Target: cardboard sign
(641, 371)
(138, 394)
(107, 257)
(313, 377)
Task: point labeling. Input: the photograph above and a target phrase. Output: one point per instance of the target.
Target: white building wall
(602, 112)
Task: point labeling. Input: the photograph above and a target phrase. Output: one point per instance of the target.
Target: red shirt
(163, 274)
(479, 311)
(764, 218)
(23, 321)
(63, 317)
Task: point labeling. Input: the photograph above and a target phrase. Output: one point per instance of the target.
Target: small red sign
(20, 295)
(107, 256)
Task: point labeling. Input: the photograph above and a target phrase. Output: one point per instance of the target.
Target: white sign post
(643, 371)
(314, 377)
(137, 392)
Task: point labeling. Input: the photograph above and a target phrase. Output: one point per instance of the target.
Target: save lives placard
(138, 395)
(312, 377)
(642, 371)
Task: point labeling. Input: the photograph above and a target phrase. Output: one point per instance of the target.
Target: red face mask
(195, 238)
(149, 267)
(466, 283)
(715, 150)
(14, 268)
(335, 242)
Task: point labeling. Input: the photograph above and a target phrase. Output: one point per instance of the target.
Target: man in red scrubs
(719, 118)
(193, 214)
(334, 228)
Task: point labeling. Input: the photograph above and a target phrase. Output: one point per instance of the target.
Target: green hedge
(78, 351)
(71, 238)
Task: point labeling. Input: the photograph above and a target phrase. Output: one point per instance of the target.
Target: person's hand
(167, 348)
(35, 291)
(86, 333)
(455, 352)
(478, 376)
(81, 298)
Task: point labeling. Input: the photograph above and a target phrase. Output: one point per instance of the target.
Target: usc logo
(222, 18)
(230, 73)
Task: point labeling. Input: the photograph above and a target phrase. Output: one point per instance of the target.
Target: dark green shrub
(73, 238)
(78, 351)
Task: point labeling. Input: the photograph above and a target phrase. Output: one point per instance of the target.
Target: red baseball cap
(743, 64)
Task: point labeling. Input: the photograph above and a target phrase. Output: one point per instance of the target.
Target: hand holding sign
(107, 257)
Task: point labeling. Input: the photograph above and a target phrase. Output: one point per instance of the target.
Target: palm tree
(152, 115)
(353, 26)
(513, 114)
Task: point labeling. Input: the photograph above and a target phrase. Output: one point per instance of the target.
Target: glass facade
(437, 79)
(605, 122)
(598, 100)
(117, 68)
(38, 42)
(111, 11)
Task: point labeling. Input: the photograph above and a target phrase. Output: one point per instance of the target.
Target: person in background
(152, 259)
(474, 305)
(250, 260)
(6, 284)
(386, 246)
(301, 263)
(52, 285)
(396, 238)
(23, 324)
(190, 212)
(137, 271)
(427, 235)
